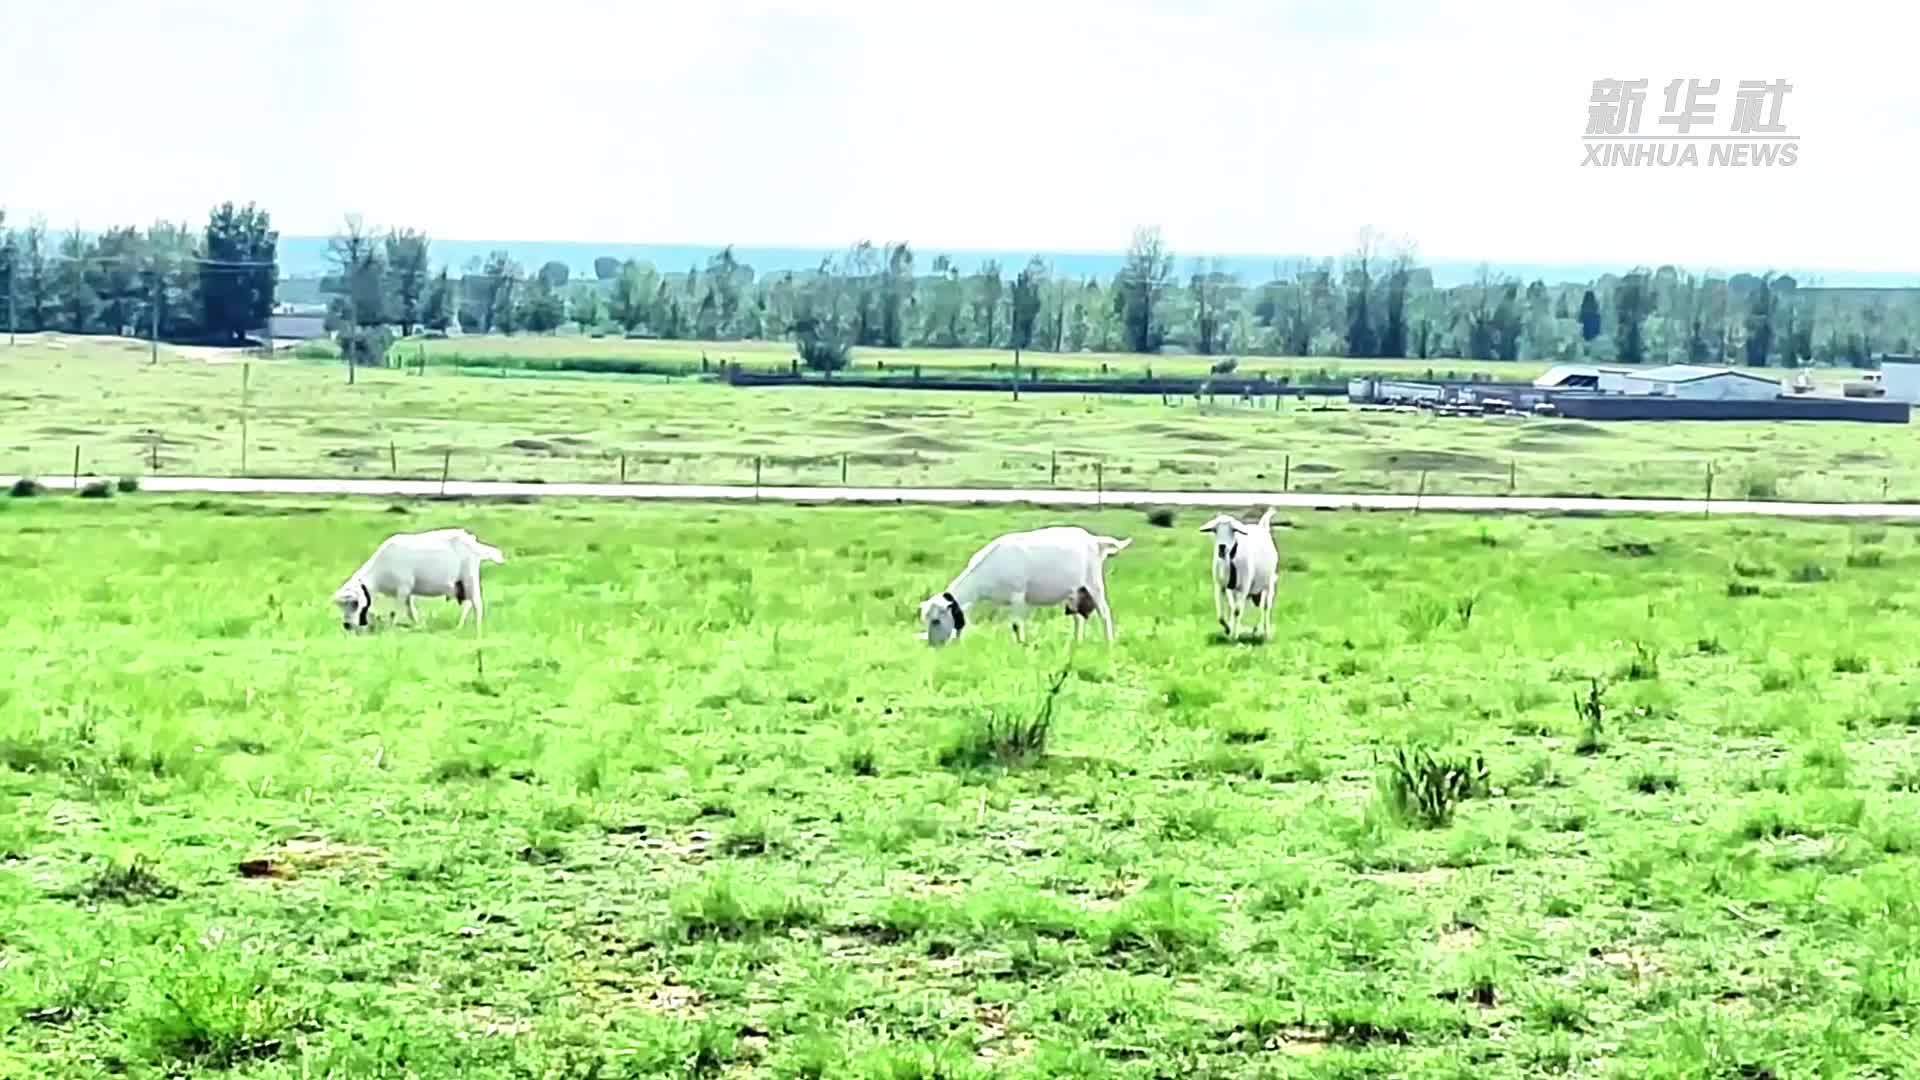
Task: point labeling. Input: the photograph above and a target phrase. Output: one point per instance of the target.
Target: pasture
(700, 805)
(586, 353)
(187, 416)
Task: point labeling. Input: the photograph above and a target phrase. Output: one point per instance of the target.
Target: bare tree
(1142, 283)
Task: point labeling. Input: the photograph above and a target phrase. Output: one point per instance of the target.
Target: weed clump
(1591, 712)
(1424, 788)
(127, 882)
(97, 489)
(1005, 740)
(1161, 517)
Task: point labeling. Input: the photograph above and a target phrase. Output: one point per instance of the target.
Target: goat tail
(1266, 519)
(1111, 546)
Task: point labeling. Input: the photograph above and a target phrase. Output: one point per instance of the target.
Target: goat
(1061, 564)
(1245, 567)
(443, 562)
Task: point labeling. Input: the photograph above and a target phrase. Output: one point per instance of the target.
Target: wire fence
(259, 453)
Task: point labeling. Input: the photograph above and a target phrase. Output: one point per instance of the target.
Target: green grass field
(700, 805)
(185, 416)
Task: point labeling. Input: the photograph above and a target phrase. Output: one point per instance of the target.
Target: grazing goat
(1062, 564)
(1245, 567)
(443, 562)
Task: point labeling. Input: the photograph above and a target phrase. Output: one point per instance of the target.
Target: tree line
(1376, 301)
(213, 284)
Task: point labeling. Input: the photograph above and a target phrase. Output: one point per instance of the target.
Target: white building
(1603, 380)
(1710, 384)
(1675, 380)
(1901, 376)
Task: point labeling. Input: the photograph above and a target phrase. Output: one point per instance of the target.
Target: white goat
(1245, 567)
(443, 562)
(1061, 564)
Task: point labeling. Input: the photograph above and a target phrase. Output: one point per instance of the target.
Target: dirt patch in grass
(1435, 461)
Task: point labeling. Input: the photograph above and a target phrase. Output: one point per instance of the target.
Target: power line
(227, 264)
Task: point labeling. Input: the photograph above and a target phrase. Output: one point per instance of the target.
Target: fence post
(1286, 474)
(623, 468)
(393, 461)
(246, 373)
(843, 469)
(756, 477)
(1512, 475)
(76, 467)
(1053, 468)
(153, 451)
(446, 466)
(1099, 483)
(1421, 493)
(1706, 509)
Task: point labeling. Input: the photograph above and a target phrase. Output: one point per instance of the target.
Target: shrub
(97, 489)
(128, 484)
(366, 346)
(26, 487)
(1160, 516)
(1225, 366)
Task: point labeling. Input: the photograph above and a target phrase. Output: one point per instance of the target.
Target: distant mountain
(305, 256)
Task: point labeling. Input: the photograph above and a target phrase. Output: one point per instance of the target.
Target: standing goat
(1246, 566)
(1062, 564)
(443, 562)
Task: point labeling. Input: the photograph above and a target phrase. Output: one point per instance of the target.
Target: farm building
(1676, 380)
(1694, 383)
(1900, 375)
(1603, 380)
(297, 322)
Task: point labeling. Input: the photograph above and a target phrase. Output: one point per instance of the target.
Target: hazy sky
(1057, 125)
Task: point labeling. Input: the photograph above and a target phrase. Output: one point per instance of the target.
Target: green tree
(633, 293)
(897, 297)
(606, 268)
(439, 312)
(79, 305)
(1589, 316)
(545, 308)
(583, 306)
(1762, 305)
(358, 282)
(1361, 337)
(987, 285)
(408, 278)
(1632, 303)
(172, 278)
(240, 274)
(1029, 285)
(1207, 292)
(33, 278)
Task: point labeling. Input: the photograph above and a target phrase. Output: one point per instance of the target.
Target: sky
(1236, 126)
